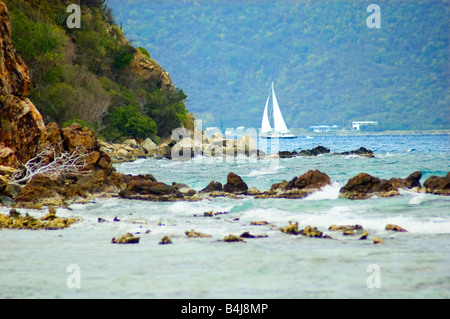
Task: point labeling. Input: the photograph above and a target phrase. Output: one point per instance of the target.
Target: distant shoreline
(368, 133)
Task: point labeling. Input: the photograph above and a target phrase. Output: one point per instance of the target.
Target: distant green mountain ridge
(328, 66)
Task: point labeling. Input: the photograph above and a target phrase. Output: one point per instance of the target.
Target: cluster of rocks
(214, 146)
(129, 150)
(364, 186)
(103, 181)
(184, 149)
(14, 220)
(319, 150)
(290, 229)
(346, 230)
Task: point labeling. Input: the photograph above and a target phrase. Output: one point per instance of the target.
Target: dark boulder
(364, 186)
(212, 187)
(312, 152)
(438, 185)
(139, 186)
(315, 151)
(311, 179)
(362, 151)
(235, 184)
(412, 181)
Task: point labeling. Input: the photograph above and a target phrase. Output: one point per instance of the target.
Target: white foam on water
(417, 199)
(377, 221)
(327, 192)
(197, 208)
(384, 155)
(265, 171)
(353, 156)
(271, 215)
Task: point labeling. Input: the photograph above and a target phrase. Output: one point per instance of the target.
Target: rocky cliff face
(21, 124)
(151, 72)
(25, 141)
(14, 73)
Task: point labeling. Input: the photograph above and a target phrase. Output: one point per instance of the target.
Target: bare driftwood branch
(51, 162)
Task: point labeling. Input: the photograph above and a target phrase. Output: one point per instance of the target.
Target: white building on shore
(357, 125)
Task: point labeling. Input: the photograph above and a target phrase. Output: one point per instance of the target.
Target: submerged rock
(312, 152)
(291, 229)
(344, 227)
(362, 151)
(232, 238)
(259, 223)
(194, 234)
(15, 221)
(208, 214)
(364, 235)
(378, 240)
(165, 241)
(315, 151)
(395, 228)
(248, 235)
(126, 239)
(311, 232)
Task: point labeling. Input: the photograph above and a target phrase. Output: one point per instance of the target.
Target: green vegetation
(327, 65)
(85, 75)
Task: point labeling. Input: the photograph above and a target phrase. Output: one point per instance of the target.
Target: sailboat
(280, 129)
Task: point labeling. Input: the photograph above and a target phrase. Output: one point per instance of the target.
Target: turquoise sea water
(416, 264)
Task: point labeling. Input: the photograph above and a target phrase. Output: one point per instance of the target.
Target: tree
(128, 121)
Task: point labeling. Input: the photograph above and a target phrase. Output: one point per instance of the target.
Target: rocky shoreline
(214, 146)
(45, 165)
(103, 181)
(184, 149)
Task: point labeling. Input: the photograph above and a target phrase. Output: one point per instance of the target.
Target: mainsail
(279, 124)
(280, 129)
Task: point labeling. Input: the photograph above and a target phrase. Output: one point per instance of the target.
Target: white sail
(280, 129)
(265, 126)
(279, 124)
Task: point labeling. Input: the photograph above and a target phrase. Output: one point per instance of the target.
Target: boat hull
(282, 136)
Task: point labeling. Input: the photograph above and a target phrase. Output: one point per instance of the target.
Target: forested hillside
(327, 65)
(93, 75)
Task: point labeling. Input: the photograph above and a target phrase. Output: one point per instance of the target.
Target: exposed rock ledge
(320, 150)
(217, 145)
(184, 149)
(364, 186)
